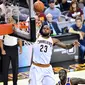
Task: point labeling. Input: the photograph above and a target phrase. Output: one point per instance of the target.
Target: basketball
(38, 6)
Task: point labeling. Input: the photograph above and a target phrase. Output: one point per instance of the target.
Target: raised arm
(62, 45)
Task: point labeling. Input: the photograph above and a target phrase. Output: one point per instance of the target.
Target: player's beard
(45, 34)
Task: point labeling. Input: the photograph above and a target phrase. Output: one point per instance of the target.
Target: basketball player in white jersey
(41, 72)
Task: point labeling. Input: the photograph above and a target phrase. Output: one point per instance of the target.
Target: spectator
(53, 25)
(12, 11)
(64, 80)
(75, 11)
(17, 14)
(79, 29)
(38, 25)
(54, 11)
(64, 6)
(3, 7)
(81, 4)
(45, 2)
(59, 1)
(38, 21)
(57, 4)
(84, 12)
(41, 16)
(2, 17)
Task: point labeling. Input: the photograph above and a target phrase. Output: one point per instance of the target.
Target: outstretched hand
(76, 43)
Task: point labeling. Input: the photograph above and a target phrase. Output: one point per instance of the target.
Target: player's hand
(20, 50)
(76, 43)
(3, 52)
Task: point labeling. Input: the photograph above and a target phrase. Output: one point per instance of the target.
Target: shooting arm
(62, 45)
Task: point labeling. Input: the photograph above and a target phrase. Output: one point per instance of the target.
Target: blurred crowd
(61, 11)
(55, 14)
(56, 11)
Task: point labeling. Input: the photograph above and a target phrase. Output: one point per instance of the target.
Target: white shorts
(41, 76)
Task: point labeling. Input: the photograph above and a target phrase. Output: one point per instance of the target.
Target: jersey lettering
(43, 48)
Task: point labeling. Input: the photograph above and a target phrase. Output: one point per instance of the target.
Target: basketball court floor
(78, 74)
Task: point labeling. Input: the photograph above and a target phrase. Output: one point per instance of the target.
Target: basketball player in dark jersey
(64, 80)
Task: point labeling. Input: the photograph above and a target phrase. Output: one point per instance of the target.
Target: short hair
(63, 70)
(42, 27)
(51, 1)
(49, 15)
(78, 18)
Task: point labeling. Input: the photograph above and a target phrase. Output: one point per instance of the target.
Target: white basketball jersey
(42, 50)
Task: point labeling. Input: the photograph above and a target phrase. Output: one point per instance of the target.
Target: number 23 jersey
(42, 50)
